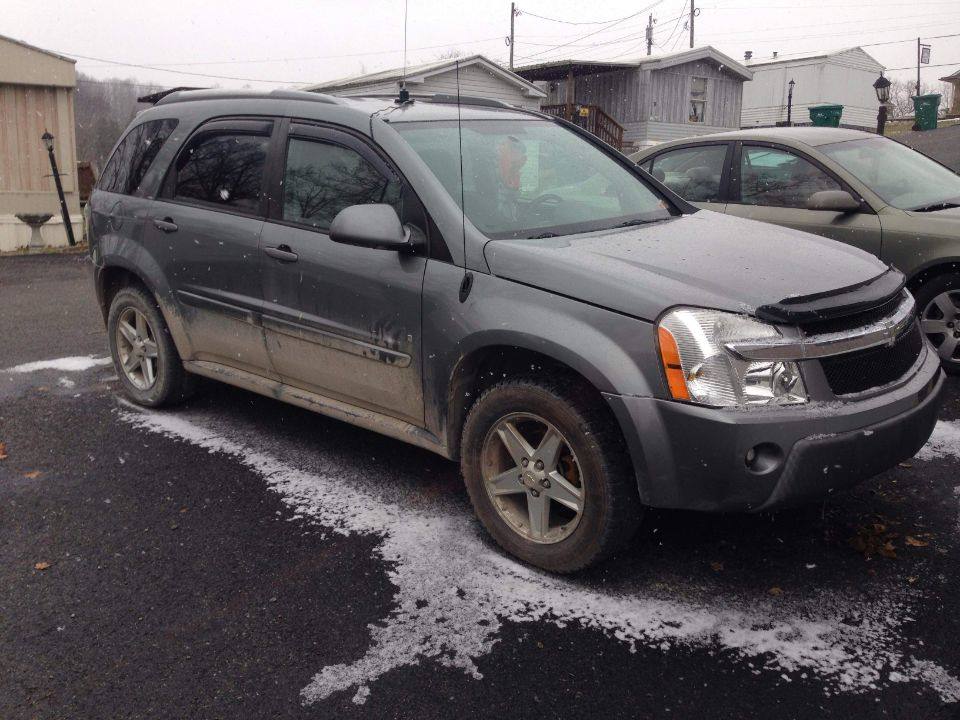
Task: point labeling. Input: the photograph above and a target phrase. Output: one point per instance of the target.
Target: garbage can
(826, 115)
(926, 107)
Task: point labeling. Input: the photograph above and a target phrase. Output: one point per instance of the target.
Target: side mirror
(370, 226)
(833, 200)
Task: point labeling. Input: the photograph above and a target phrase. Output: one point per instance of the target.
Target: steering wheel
(548, 200)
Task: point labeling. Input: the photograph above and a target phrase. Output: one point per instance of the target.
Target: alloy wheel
(533, 478)
(137, 348)
(940, 322)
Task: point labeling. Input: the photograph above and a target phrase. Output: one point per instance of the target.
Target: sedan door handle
(283, 253)
(167, 225)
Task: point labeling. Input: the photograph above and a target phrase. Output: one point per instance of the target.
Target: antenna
(404, 93)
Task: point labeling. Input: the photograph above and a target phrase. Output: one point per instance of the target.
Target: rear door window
(776, 178)
(695, 173)
(321, 179)
(134, 156)
(223, 170)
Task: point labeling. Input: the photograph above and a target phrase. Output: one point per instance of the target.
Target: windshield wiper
(635, 221)
(542, 235)
(945, 205)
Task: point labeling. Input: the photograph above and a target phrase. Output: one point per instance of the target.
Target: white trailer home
(841, 77)
(476, 76)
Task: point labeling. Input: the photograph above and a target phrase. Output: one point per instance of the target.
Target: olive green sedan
(851, 186)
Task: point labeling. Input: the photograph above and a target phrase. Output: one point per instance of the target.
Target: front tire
(938, 302)
(149, 367)
(548, 473)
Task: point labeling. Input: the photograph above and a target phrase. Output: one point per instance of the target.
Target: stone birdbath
(34, 220)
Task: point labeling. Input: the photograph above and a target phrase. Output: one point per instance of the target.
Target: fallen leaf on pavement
(775, 591)
(33, 474)
(3, 451)
(912, 579)
(914, 542)
(906, 465)
(717, 566)
(41, 566)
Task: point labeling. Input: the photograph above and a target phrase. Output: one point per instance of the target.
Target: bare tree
(450, 54)
(103, 109)
(902, 90)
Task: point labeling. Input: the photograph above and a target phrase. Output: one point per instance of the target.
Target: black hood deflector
(840, 303)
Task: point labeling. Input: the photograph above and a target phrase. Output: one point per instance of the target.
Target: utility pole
(650, 34)
(918, 66)
(513, 13)
(693, 13)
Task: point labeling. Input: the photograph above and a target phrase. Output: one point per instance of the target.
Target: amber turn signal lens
(670, 355)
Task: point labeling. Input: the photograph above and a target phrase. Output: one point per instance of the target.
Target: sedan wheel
(533, 478)
(940, 321)
(137, 347)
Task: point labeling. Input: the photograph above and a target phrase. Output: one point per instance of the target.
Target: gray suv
(501, 288)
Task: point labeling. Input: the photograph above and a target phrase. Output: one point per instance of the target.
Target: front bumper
(693, 457)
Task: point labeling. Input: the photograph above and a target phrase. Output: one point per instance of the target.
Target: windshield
(532, 178)
(901, 176)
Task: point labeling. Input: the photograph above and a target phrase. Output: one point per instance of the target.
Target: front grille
(867, 317)
(859, 371)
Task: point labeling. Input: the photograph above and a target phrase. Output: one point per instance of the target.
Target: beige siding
(26, 112)
(24, 65)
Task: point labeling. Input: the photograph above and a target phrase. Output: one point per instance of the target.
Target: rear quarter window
(134, 155)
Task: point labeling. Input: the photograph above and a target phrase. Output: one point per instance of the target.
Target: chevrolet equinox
(500, 287)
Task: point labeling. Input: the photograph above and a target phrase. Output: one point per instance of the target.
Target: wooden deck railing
(591, 118)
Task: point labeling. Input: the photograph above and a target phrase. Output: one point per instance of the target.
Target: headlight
(700, 369)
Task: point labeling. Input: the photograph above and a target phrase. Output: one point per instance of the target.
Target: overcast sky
(285, 42)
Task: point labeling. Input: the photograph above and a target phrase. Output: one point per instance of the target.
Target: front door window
(777, 178)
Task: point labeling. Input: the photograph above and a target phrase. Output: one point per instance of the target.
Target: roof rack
(469, 100)
(185, 95)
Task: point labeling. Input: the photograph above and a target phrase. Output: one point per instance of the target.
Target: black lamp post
(790, 101)
(882, 87)
(48, 143)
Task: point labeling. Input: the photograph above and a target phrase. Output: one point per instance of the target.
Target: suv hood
(704, 259)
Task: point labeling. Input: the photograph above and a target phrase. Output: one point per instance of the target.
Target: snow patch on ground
(944, 442)
(453, 592)
(77, 363)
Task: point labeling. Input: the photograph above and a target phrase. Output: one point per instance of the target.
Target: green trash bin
(826, 115)
(926, 107)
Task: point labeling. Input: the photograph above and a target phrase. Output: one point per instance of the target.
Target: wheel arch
(933, 269)
(118, 272)
(489, 360)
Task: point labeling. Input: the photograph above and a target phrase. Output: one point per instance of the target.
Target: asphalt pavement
(241, 558)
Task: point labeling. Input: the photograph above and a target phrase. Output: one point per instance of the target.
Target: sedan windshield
(532, 178)
(901, 176)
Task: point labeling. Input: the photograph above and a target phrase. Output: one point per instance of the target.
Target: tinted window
(693, 173)
(224, 169)
(322, 179)
(134, 155)
(780, 179)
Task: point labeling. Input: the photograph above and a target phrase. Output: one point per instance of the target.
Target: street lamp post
(790, 101)
(48, 143)
(882, 87)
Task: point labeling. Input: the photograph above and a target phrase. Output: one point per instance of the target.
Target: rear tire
(938, 304)
(149, 367)
(592, 473)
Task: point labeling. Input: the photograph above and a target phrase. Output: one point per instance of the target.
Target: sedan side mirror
(833, 200)
(371, 226)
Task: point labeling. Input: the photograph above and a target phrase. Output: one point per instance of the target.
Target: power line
(570, 22)
(595, 32)
(295, 59)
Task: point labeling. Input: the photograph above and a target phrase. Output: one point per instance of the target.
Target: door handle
(283, 253)
(167, 225)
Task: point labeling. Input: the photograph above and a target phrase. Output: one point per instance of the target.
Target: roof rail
(469, 100)
(278, 94)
